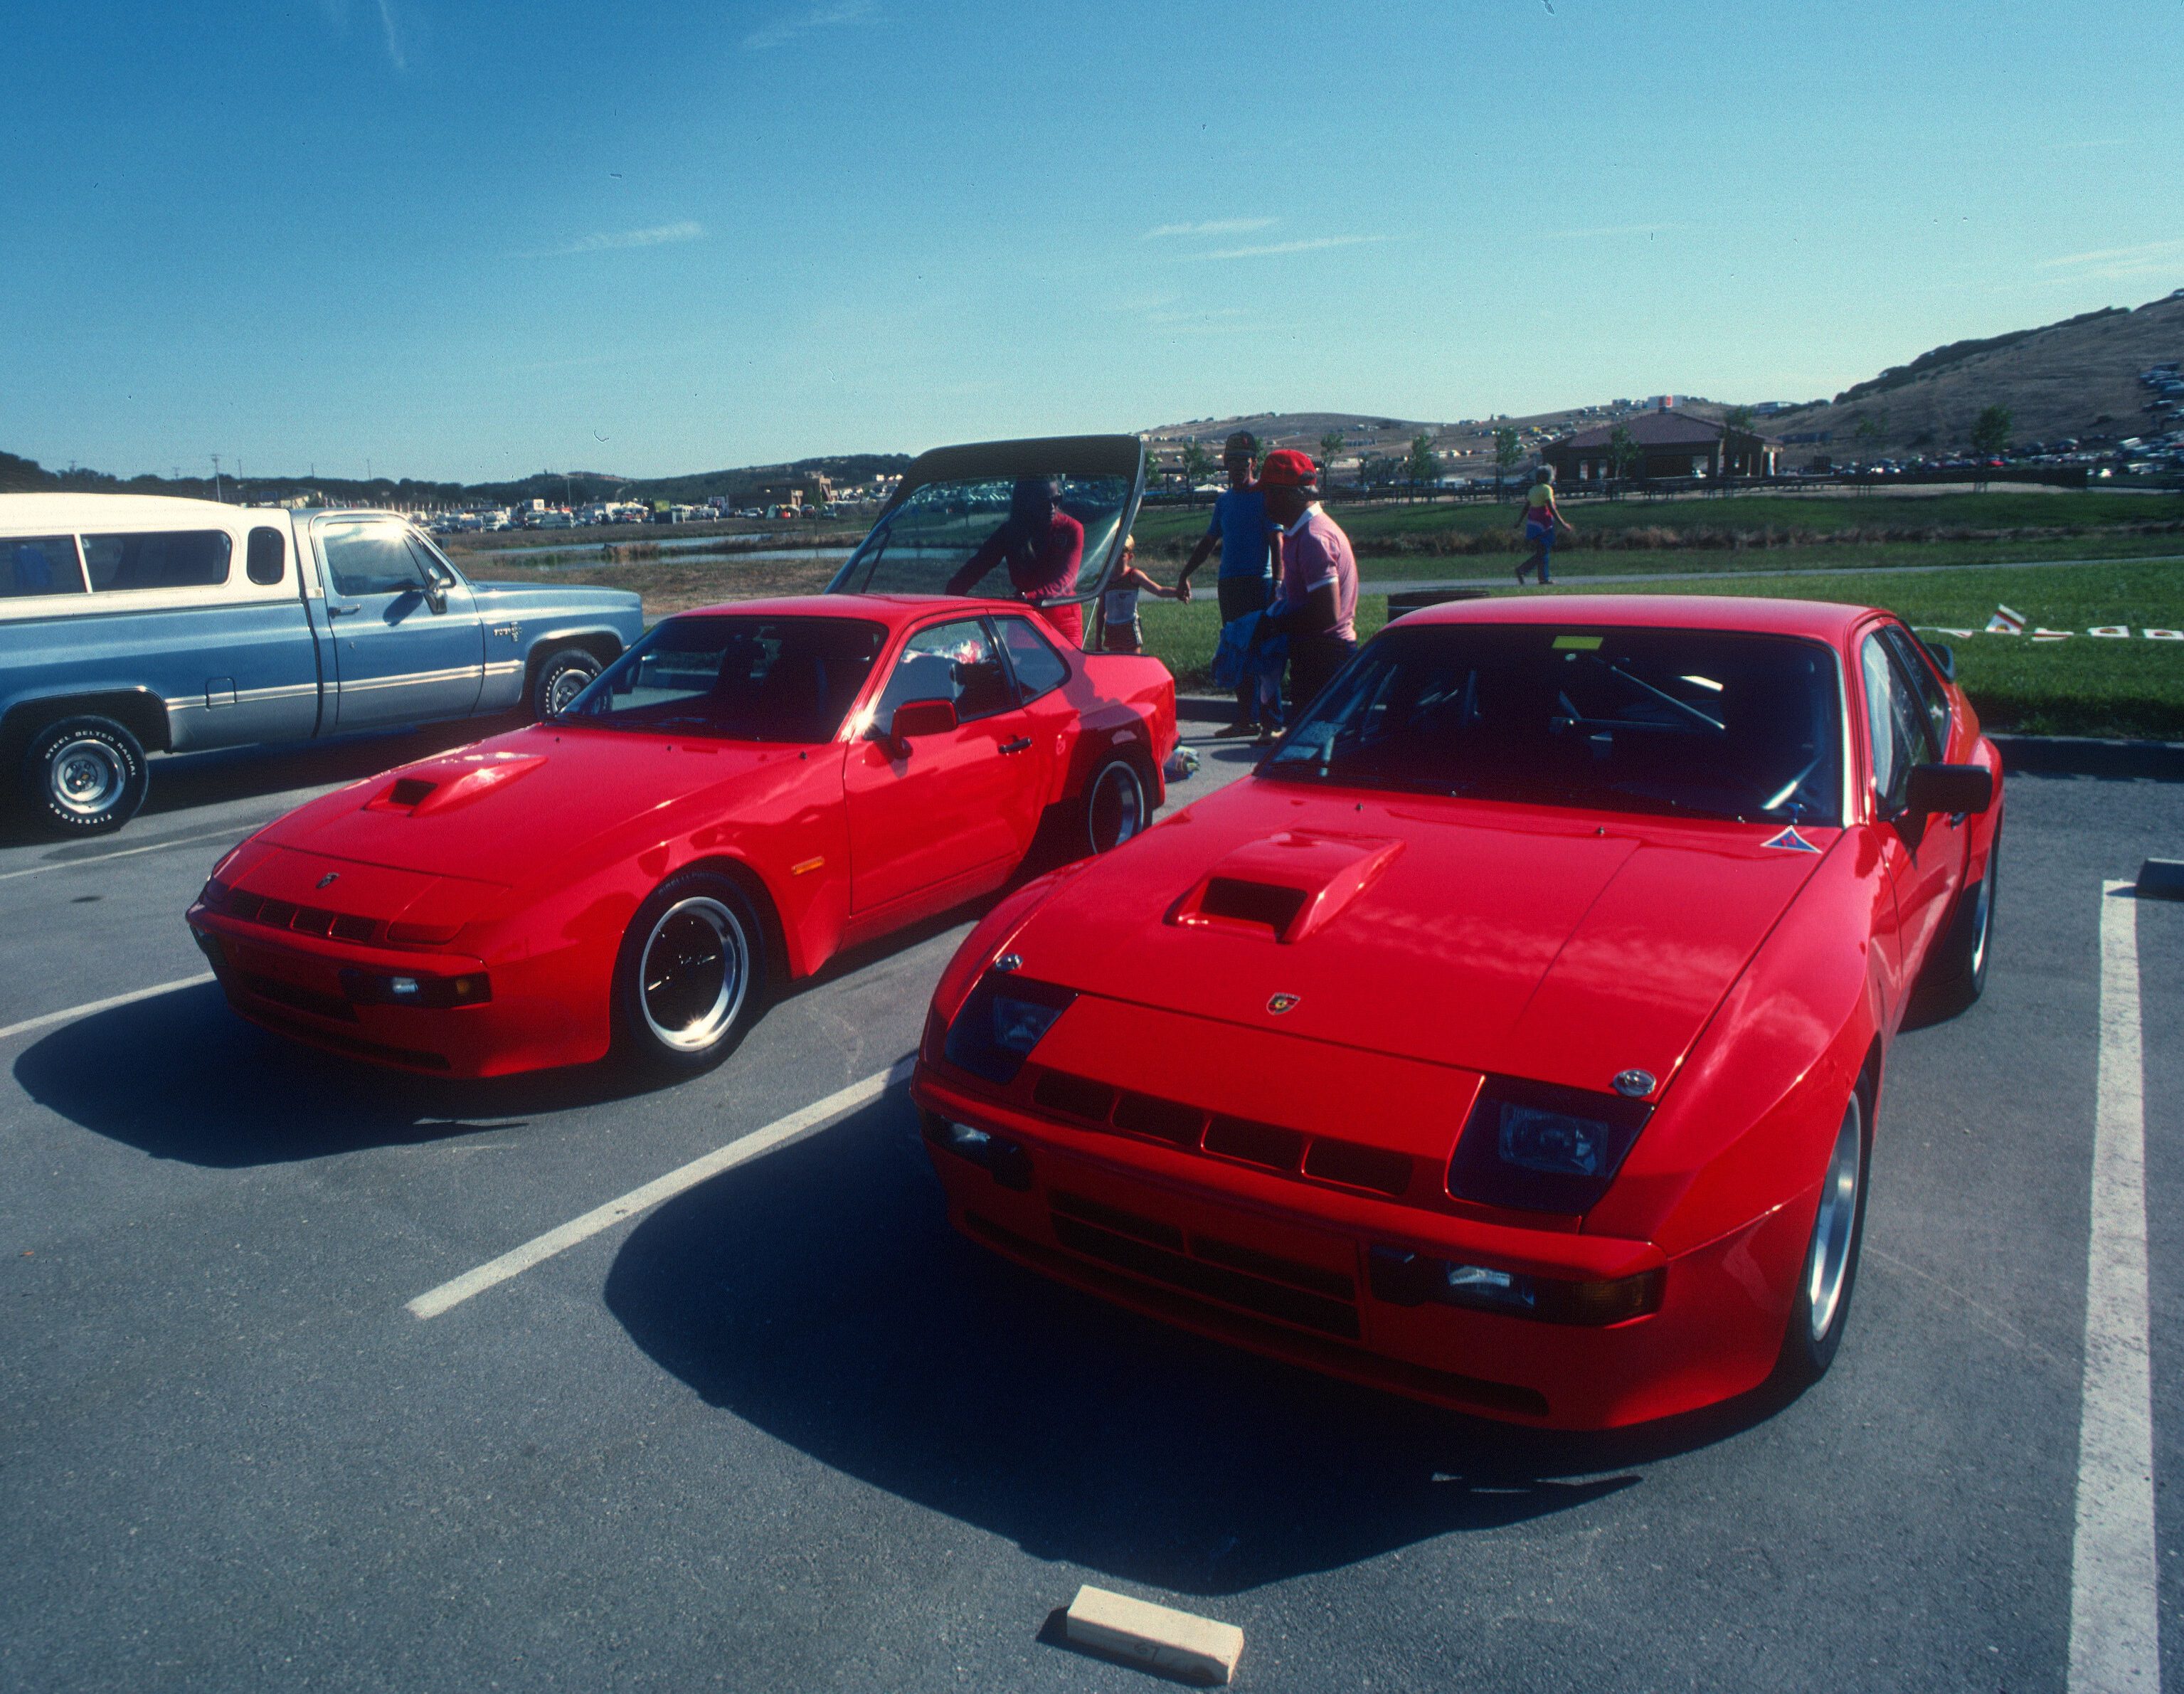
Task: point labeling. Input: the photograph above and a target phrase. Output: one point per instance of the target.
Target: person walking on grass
(1541, 515)
(1318, 606)
(1120, 632)
(1238, 530)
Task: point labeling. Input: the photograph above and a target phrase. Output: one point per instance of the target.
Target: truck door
(408, 644)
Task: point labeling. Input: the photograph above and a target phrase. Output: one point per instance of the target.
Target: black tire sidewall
(633, 1039)
(552, 667)
(1805, 1361)
(1090, 847)
(37, 781)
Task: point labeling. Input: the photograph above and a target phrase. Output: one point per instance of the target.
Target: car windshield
(1041, 536)
(1692, 721)
(788, 679)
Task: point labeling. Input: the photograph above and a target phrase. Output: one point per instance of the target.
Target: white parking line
(2114, 1619)
(776, 1134)
(107, 1004)
(126, 853)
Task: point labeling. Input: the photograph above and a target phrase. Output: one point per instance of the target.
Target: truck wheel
(561, 677)
(691, 977)
(84, 776)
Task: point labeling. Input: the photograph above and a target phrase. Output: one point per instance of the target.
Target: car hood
(1562, 946)
(507, 810)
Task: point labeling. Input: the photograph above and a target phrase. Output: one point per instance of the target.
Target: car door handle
(1021, 745)
(342, 609)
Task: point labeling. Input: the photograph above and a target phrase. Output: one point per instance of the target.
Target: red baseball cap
(1287, 468)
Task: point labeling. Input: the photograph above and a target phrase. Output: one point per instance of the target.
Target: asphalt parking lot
(783, 1430)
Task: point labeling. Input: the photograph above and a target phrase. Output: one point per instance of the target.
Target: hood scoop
(447, 784)
(1286, 887)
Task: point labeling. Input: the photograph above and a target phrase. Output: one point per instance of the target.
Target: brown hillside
(2071, 379)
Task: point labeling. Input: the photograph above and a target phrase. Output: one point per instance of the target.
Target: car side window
(39, 565)
(1040, 669)
(1933, 702)
(266, 561)
(958, 662)
(368, 557)
(1895, 727)
(165, 558)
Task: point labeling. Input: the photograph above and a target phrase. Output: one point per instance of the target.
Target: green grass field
(2083, 686)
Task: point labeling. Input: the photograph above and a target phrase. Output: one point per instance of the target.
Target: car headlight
(1001, 1020)
(1538, 1148)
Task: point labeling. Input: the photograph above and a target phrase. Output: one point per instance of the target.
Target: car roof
(889, 609)
(1821, 619)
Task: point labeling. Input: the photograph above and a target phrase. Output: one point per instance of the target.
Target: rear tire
(1116, 806)
(561, 677)
(1827, 1273)
(1955, 977)
(84, 776)
(691, 977)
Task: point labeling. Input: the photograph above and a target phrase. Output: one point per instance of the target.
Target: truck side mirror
(1951, 788)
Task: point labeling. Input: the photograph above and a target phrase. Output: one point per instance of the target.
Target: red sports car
(1512, 1038)
(747, 791)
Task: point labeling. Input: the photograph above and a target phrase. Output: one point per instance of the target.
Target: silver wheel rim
(1830, 1259)
(566, 687)
(1983, 919)
(692, 974)
(1116, 807)
(84, 777)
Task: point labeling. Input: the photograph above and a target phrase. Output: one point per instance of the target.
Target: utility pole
(215, 477)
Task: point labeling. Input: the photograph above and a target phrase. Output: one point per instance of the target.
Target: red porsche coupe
(1513, 1036)
(747, 791)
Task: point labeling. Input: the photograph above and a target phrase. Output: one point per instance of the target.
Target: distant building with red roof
(1668, 444)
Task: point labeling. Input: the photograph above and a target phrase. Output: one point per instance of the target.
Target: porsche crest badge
(1281, 1003)
(330, 876)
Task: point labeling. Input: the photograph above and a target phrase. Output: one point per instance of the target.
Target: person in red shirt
(1316, 605)
(1043, 546)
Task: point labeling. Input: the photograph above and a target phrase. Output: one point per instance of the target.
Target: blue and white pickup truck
(130, 623)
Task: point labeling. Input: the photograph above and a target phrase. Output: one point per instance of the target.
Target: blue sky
(476, 239)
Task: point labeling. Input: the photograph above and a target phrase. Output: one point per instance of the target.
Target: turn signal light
(1402, 1278)
(381, 988)
(1005, 1160)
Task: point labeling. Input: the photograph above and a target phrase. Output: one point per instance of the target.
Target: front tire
(1829, 1272)
(84, 776)
(561, 677)
(691, 975)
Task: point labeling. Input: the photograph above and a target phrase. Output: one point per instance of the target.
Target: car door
(941, 809)
(409, 644)
(1049, 719)
(1922, 854)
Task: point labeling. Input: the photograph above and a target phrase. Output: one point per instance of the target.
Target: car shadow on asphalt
(181, 1077)
(820, 1295)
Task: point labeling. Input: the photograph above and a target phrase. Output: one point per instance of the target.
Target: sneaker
(1266, 737)
(1241, 726)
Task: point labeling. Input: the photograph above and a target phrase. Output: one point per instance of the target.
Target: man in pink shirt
(1317, 604)
(1043, 546)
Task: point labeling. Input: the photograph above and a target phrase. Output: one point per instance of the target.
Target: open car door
(1040, 520)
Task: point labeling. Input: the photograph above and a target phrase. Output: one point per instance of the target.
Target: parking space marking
(741, 1150)
(107, 1004)
(125, 853)
(2114, 1616)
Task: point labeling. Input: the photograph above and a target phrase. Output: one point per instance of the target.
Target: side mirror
(1948, 789)
(1945, 660)
(919, 717)
(436, 595)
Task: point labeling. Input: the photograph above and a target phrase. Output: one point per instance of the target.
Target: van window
(267, 561)
(39, 565)
(160, 559)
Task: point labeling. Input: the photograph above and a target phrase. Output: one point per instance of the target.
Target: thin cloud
(1216, 227)
(828, 15)
(1272, 249)
(2145, 253)
(393, 36)
(608, 241)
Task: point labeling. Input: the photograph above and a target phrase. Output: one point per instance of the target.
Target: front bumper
(1285, 1270)
(295, 985)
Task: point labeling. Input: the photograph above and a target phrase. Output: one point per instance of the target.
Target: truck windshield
(788, 679)
(1703, 723)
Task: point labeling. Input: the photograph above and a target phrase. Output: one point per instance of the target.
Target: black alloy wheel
(84, 776)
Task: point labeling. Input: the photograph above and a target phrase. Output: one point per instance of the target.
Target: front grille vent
(1320, 1158)
(304, 920)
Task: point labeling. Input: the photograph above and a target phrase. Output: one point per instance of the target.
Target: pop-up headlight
(1001, 1021)
(1542, 1149)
